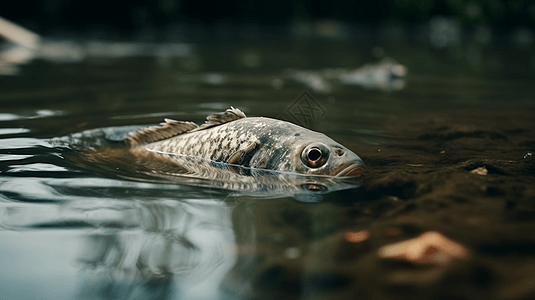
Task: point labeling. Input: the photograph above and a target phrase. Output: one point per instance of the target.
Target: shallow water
(71, 227)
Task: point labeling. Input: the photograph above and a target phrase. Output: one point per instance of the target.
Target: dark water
(71, 228)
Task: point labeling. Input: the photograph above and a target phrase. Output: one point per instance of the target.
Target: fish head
(320, 155)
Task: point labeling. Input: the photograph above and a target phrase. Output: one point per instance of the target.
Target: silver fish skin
(257, 142)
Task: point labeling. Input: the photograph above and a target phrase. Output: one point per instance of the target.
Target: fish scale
(199, 143)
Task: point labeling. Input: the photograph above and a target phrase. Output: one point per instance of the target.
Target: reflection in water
(241, 180)
(175, 245)
(137, 248)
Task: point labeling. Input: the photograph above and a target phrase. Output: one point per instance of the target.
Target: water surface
(75, 228)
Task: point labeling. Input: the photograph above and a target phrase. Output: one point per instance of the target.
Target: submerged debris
(429, 249)
(480, 171)
(357, 237)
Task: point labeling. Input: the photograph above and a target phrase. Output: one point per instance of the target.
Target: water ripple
(42, 113)
(8, 131)
(18, 143)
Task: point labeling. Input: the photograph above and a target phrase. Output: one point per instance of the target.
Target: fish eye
(315, 155)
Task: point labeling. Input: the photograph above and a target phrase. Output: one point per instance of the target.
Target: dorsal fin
(229, 115)
(171, 128)
(167, 129)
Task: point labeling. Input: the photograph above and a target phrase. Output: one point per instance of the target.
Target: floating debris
(311, 79)
(20, 49)
(528, 155)
(480, 171)
(18, 35)
(23, 46)
(385, 75)
(429, 249)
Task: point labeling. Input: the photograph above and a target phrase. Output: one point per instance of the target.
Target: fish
(248, 143)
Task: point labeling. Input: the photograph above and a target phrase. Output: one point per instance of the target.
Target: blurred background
(490, 22)
(478, 35)
(390, 55)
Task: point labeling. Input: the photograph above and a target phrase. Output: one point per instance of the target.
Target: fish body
(257, 143)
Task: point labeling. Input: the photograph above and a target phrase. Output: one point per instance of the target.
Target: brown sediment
(466, 175)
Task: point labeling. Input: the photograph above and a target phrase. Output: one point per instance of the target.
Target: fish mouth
(351, 170)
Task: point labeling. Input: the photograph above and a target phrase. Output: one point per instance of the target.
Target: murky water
(72, 227)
